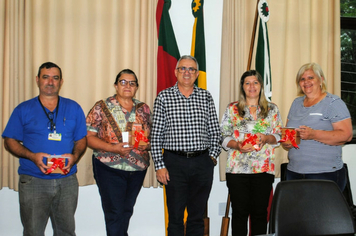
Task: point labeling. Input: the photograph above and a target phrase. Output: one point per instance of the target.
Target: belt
(189, 154)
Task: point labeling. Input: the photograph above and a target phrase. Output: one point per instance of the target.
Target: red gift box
(56, 165)
(290, 136)
(251, 141)
(138, 136)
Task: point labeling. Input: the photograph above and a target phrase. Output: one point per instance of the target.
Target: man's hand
(78, 151)
(71, 160)
(163, 176)
(16, 148)
(37, 158)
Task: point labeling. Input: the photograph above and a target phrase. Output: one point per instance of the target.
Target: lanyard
(53, 125)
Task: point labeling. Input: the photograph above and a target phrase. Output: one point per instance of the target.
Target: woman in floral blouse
(250, 165)
(119, 166)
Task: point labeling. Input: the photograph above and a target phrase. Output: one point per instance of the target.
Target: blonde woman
(324, 124)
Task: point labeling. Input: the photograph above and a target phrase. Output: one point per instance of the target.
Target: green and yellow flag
(198, 41)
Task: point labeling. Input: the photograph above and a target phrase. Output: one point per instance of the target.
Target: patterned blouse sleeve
(277, 123)
(226, 128)
(93, 120)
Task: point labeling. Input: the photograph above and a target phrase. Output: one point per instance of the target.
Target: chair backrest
(309, 207)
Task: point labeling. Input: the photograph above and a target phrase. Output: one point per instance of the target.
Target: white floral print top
(234, 127)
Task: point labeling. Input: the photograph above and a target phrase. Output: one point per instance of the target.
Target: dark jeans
(118, 190)
(249, 194)
(339, 177)
(189, 187)
(41, 199)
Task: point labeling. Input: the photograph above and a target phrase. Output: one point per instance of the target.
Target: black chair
(348, 193)
(310, 207)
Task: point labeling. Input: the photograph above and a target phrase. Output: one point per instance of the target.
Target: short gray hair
(189, 57)
(316, 68)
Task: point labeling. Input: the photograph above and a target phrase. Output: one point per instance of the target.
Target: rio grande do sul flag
(168, 53)
(198, 41)
(262, 54)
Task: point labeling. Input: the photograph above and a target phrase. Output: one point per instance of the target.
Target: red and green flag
(168, 53)
(198, 41)
(263, 65)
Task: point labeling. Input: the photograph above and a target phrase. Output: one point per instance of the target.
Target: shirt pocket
(69, 127)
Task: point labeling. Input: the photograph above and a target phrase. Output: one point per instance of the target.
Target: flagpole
(252, 44)
(226, 220)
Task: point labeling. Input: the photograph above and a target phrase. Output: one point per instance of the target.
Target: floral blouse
(234, 127)
(98, 122)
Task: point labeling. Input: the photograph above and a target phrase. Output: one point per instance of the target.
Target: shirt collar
(176, 89)
(113, 98)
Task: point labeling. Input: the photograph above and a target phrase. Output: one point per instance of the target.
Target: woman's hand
(305, 132)
(238, 146)
(262, 139)
(341, 133)
(146, 147)
(287, 146)
(122, 148)
(246, 148)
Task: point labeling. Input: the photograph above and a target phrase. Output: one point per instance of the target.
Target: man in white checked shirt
(186, 127)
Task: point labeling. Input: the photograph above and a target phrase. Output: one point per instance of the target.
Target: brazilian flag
(198, 41)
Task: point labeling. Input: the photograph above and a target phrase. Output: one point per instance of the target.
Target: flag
(198, 51)
(263, 65)
(167, 58)
(168, 53)
(198, 41)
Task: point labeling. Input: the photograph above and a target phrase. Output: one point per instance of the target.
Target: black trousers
(118, 191)
(189, 187)
(249, 194)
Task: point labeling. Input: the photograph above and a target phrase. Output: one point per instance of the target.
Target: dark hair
(125, 71)
(49, 65)
(262, 102)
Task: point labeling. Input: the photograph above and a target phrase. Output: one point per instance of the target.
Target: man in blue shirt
(39, 130)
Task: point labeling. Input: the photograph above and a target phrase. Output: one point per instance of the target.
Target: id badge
(55, 136)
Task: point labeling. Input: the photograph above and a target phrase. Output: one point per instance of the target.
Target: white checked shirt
(184, 124)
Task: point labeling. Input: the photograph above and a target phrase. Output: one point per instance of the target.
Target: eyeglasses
(125, 82)
(183, 69)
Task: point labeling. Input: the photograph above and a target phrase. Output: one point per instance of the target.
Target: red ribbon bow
(57, 163)
(138, 137)
(251, 139)
(289, 135)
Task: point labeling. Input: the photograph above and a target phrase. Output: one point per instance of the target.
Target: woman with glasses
(118, 132)
(250, 132)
